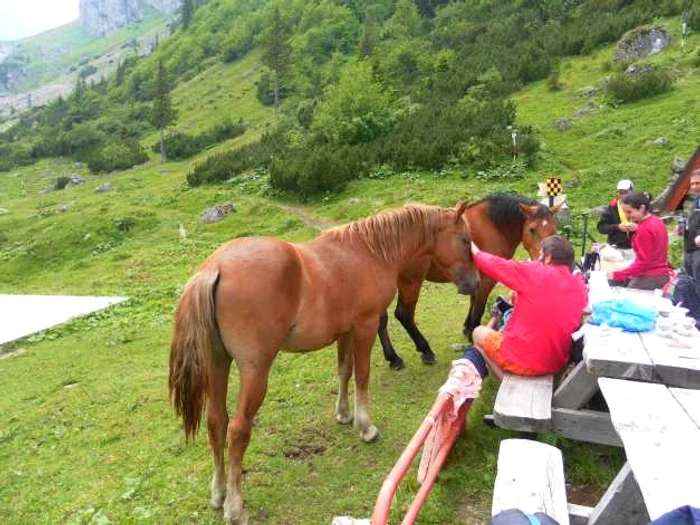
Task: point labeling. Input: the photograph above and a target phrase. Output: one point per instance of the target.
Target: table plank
(690, 401)
(661, 442)
(616, 354)
(676, 360)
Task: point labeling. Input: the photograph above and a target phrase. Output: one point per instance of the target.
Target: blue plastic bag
(623, 313)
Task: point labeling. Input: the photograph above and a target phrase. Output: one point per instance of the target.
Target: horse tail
(195, 337)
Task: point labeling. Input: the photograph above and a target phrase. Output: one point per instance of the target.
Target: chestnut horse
(256, 296)
(498, 224)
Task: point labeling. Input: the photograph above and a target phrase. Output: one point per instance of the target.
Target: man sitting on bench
(549, 307)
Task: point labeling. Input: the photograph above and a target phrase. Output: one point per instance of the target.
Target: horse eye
(533, 230)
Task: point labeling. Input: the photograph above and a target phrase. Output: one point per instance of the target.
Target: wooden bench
(524, 403)
(530, 477)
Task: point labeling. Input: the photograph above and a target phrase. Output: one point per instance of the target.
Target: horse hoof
(397, 365)
(428, 359)
(235, 516)
(217, 501)
(370, 434)
(344, 419)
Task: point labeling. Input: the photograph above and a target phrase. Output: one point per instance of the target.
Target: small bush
(223, 166)
(116, 156)
(180, 146)
(627, 88)
(553, 81)
(14, 155)
(61, 182)
(514, 170)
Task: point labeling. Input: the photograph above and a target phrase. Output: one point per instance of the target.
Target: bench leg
(622, 503)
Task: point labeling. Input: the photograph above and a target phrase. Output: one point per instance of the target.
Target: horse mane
(385, 233)
(504, 208)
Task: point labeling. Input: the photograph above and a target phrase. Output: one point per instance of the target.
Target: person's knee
(480, 334)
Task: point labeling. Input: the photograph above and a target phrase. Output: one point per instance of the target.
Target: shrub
(61, 182)
(116, 156)
(553, 80)
(223, 166)
(321, 170)
(13, 155)
(180, 146)
(627, 88)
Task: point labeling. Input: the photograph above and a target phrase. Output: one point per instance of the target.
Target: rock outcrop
(102, 17)
(166, 6)
(642, 42)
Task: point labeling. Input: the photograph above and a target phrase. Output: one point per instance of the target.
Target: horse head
(540, 222)
(452, 252)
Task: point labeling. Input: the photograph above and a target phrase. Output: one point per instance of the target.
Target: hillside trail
(309, 219)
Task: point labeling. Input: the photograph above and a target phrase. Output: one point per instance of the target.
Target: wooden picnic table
(652, 387)
(658, 426)
(640, 376)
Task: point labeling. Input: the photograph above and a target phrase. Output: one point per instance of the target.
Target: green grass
(87, 433)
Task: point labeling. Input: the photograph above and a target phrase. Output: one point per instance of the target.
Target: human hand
(628, 228)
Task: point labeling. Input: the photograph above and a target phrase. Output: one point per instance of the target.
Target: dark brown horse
(499, 223)
(256, 296)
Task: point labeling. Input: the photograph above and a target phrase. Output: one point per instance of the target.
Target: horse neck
(394, 242)
(511, 231)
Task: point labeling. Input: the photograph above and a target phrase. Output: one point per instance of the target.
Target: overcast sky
(20, 18)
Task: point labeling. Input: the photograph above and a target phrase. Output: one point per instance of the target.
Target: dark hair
(559, 249)
(637, 200)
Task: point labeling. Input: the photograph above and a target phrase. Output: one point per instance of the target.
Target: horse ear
(461, 207)
(555, 209)
(528, 211)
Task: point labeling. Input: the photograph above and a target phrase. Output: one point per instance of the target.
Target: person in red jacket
(650, 269)
(549, 308)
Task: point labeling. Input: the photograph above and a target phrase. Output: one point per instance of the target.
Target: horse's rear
(238, 306)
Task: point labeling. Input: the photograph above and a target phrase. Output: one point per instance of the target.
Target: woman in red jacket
(650, 269)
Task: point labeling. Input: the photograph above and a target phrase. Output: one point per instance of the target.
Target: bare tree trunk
(277, 92)
(162, 147)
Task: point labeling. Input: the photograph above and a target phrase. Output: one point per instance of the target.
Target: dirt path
(310, 220)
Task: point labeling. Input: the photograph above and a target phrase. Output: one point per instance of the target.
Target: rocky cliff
(101, 17)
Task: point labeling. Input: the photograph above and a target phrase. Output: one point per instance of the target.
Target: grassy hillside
(87, 433)
(610, 142)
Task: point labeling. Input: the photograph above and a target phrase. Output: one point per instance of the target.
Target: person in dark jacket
(691, 236)
(613, 221)
(687, 290)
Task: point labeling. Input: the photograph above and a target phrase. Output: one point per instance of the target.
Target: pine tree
(187, 12)
(119, 75)
(80, 88)
(162, 113)
(370, 32)
(276, 49)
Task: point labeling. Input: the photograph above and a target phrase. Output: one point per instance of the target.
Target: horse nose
(468, 283)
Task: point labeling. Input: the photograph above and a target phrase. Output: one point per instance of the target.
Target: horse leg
(477, 305)
(253, 385)
(362, 339)
(217, 421)
(395, 361)
(406, 314)
(345, 365)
